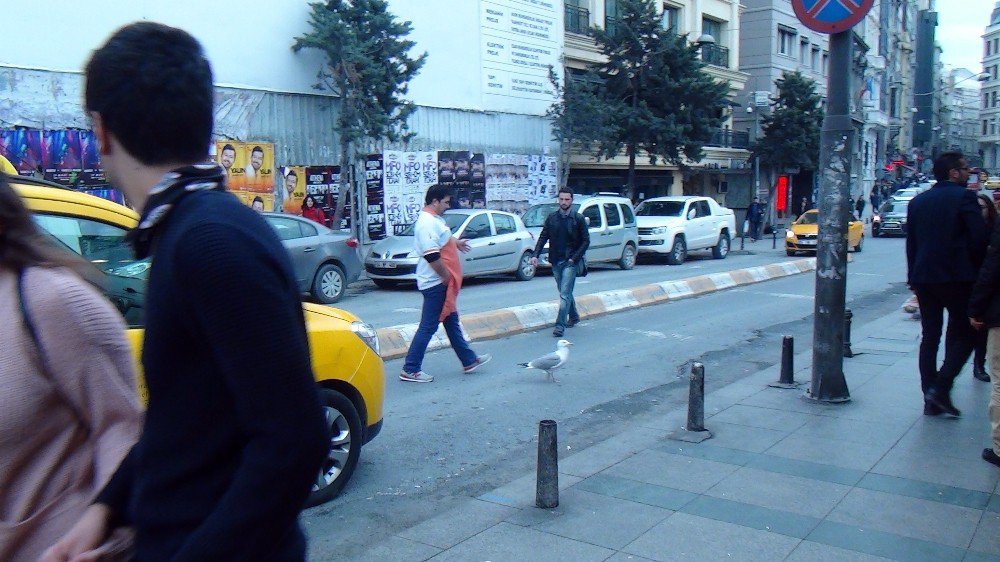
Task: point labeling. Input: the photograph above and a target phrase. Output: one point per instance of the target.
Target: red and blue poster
(62, 160)
(93, 175)
(23, 148)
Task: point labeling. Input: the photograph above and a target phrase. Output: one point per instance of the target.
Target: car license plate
(807, 242)
(385, 265)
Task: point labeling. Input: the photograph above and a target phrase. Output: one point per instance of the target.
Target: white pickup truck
(674, 226)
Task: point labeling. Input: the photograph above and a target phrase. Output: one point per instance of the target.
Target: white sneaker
(419, 376)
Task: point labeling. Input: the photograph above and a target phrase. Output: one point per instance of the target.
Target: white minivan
(614, 236)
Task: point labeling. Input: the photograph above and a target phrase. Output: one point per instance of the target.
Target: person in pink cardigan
(69, 411)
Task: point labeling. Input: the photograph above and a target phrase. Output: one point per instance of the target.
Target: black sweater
(568, 237)
(234, 434)
(985, 301)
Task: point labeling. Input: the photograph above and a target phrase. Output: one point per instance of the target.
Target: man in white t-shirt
(438, 261)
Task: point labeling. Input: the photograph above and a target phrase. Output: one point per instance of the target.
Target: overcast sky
(961, 24)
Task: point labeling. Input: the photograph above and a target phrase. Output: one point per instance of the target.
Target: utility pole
(837, 143)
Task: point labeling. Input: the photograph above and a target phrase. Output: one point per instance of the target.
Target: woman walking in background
(979, 357)
(69, 411)
(312, 212)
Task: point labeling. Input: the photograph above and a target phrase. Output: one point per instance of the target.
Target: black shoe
(943, 401)
(931, 409)
(981, 374)
(991, 457)
(572, 323)
(558, 332)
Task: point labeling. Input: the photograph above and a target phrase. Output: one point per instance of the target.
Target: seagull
(551, 361)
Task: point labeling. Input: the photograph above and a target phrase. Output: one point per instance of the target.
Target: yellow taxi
(345, 350)
(802, 235)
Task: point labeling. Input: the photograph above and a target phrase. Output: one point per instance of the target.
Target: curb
(395, 340)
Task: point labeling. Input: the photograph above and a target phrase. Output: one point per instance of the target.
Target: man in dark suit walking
(945, 244)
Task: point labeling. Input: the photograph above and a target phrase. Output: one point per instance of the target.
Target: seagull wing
(547, 362)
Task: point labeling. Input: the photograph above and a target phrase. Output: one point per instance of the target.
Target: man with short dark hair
(227, 156)
(568, 236)
(439, 278)
(945, 245)
(234, 432)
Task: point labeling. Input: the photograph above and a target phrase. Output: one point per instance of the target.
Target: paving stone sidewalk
(783, 478)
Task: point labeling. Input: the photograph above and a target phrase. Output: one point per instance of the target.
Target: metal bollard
(787, 377)
(696, 399)
(694, 431)
(547, 476)
(848, 315)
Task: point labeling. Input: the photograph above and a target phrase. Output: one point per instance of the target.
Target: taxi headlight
(367, 333)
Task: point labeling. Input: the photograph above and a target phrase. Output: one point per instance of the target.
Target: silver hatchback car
(498, 240)
(325, 261)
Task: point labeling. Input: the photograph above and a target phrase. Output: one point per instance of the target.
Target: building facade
(990, 106)
(723, 173)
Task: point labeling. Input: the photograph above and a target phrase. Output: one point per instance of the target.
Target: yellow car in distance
(802, 235)
(345, 350)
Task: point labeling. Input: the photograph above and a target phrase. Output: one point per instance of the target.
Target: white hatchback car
(499, 244)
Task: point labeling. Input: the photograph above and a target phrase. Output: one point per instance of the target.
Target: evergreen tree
(657, 97)
(369, 68)
(578, 118)
(792, 131)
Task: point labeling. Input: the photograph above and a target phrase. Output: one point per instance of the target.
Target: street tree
(791, 133)
(368, 67)
(657, 96)
(578, 118)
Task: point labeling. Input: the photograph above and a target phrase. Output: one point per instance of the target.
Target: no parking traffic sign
(831, 16)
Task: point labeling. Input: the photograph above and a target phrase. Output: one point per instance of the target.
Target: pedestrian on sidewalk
(859, 206)
(754, 214)
(945, 244)
(568, 236)
(70, 411)
(984, 316)
(312, 212)
(989, 211)
(234, 433)
(439, 279)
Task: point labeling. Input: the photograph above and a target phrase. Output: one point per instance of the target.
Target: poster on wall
(514, 182)
(93, 175)
(62, 161)
(477, 181)
(374, 196)
(293, 191)
(230, 155)
(259, 172)
(23, 148)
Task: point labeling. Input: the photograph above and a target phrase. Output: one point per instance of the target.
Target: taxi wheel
(343, 426)
(860, 242)
(329, 284)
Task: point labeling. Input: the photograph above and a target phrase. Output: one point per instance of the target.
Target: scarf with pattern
(164, 197)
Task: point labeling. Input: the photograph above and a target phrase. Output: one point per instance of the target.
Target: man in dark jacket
(984, 314)
(945, 242)
(234, 433)
(566, 232)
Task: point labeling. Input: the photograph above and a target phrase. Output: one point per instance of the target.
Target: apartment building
(724, 172)
(989, 144)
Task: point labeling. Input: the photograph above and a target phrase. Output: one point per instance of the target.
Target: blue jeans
(429, 314)
(565, 276)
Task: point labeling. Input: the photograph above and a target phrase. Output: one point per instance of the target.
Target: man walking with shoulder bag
(566, 232)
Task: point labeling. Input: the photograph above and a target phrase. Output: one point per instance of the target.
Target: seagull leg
(548, 376)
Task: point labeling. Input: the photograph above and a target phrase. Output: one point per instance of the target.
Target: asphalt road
(464, 435)
(401, 305)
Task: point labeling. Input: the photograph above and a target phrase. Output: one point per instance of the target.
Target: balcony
(728, 138)
(577, 19)
(715, 55)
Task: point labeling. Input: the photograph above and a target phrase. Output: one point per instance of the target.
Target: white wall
(249, 44)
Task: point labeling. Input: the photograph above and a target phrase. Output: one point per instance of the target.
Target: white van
(614, 235)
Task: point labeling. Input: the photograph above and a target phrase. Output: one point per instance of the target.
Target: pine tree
(657, 96)
(791, 136)
(578, 120)
(368, 68)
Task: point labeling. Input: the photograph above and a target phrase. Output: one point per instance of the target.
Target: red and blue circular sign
(831, 16)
